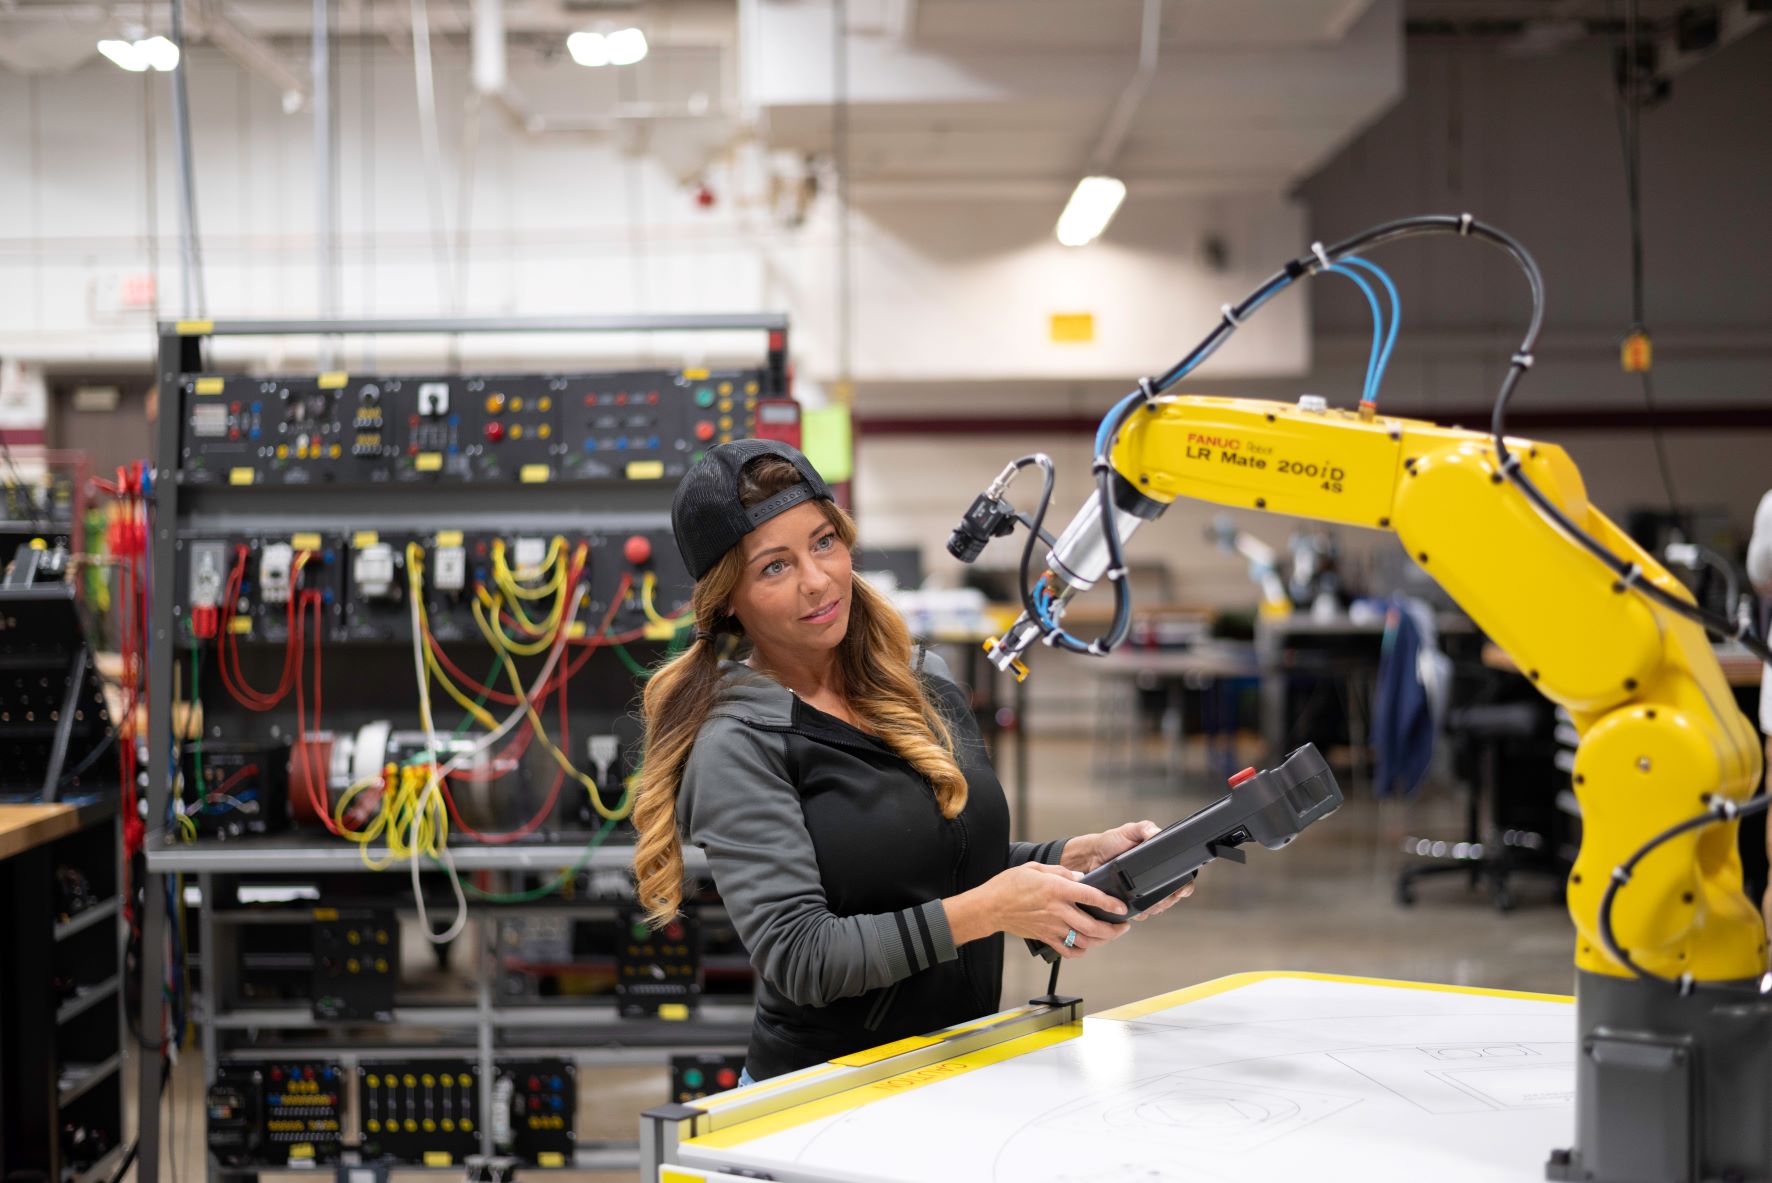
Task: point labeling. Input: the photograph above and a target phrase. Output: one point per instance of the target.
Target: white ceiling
(1010, 25)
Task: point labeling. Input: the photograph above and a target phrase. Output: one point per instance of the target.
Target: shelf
(320, 854)
(599, 1156)
(575, 1016)
(81, 1078)
(652, 1055)
(104, 1168)
(85, 1000)
(88, 918)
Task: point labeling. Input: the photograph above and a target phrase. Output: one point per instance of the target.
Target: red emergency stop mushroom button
(637, 549)
(1239, 778)
(704, 430)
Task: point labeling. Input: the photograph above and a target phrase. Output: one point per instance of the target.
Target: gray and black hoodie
(832, 857)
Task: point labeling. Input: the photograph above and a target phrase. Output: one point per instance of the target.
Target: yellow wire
(543, 643)
(648, 586)
(495, 640)
(415, 581)
(507, 583)
(370, 832)
(501, 571)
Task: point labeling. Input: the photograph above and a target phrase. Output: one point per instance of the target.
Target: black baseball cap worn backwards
(706, 514)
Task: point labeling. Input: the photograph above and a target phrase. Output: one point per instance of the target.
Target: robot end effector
(1077, 560)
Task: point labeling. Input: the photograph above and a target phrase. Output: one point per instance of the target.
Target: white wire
(433, 149)
(434, 774)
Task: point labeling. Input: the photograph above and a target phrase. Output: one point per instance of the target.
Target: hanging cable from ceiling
(1637, 354)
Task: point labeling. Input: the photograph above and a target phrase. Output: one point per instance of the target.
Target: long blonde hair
(874, 661)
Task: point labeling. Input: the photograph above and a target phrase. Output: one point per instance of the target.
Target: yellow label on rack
(210, 385)
(429, 462)
(241, 476)
(193, 328)
(240, 624)
(534, 474)
(674, 1012)
(550, 1158)
(659, 632)
(363, 538)
(325, 913)
(438, 1158)
(301, 1152)
(645, 470)
(695, 375)
(334, 380)
(449, 538)
(305, 541)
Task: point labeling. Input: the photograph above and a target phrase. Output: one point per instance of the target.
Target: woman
(838, 784)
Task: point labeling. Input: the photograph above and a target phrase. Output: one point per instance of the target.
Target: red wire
(561, 677)
(242, 691)
(222, 789)
(316, 790)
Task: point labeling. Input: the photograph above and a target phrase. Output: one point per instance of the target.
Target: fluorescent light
(159, 53)
(588, 49)
(125, 55)
(623, 47)
(626, 46)
(1090, 209)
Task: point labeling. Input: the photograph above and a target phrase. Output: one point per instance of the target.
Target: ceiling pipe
(1119, 121)
(251, 54)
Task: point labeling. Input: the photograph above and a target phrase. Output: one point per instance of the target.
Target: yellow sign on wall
(1072, 328)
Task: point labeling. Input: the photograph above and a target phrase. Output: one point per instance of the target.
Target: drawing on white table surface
(1189, 1111)
(1470, 1078)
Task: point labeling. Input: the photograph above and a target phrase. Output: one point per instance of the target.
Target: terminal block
(275, 563)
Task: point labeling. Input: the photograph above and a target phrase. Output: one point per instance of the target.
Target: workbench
(1261, 1076)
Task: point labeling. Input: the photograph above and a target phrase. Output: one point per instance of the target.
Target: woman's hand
(1036, 901)
(1086, 852)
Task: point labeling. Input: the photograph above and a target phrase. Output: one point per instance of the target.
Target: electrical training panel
(338, 428)
(413, 612)
(276, 1113)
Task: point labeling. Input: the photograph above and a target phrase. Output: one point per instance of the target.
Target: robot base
(1669, 1088)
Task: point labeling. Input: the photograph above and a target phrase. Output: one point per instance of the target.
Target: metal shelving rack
(181, 353)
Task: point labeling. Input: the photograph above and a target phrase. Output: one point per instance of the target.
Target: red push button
(726, 1078)
(495, 431)
(1239, 778)
(704, 430)
(637, 549)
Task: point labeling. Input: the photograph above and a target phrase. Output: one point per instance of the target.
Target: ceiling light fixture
(623, 47)
(1091, 207)
(160, 53)
(124, 54)
(627, 46)
(156, 53)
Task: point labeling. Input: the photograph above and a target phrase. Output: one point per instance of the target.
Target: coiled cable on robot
(1721, 810)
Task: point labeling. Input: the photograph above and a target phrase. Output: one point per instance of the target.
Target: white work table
(1249, 1078)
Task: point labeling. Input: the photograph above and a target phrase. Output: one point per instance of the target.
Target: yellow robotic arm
(1675, 1002)
(1660, 731)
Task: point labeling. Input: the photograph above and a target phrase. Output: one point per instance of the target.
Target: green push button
(641, 931)
(704, 397)
(693, 1078)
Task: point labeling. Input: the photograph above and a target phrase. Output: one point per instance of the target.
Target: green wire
(627, 659)
(466, 719)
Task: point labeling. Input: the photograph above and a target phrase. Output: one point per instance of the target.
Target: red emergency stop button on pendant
(1239, 778)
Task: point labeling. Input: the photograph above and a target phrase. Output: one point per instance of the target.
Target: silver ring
(1070, 938)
